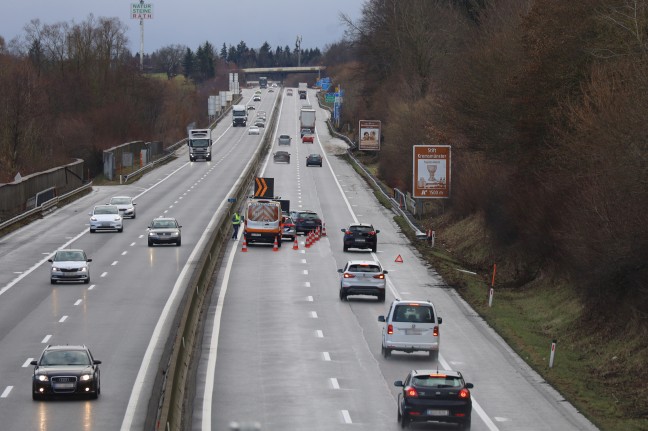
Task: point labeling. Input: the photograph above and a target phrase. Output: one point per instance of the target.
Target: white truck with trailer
(200, 144)
(239, 115)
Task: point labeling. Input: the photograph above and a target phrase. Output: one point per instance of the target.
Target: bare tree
(170, 58)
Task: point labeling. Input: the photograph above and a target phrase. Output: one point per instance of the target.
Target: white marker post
(491, 292)
(553, 353)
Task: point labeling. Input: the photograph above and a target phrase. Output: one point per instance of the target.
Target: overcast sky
(192, 22)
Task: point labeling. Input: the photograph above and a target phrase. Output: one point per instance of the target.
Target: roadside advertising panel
(369, 135)
(431, 171)
(141, 10)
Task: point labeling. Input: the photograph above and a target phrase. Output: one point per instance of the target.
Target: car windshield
(437, 381)
(69, 256)
(106, 210)
(364, 268)
(65, 357)
(120, 201)
(413, 313)
(163, 224)
(308, 216)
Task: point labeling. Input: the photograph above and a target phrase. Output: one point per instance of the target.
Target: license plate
(360, 240)
(105, 224)
(64, 385)
(437, 412)
(255, 234)
(413, 332)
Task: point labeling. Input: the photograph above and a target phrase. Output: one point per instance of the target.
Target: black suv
(305, 221)
(360, 235)
(66, 370)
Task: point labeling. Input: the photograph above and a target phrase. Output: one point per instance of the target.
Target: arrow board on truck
(263, 187)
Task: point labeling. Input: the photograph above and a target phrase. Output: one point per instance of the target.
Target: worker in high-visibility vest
(236, 222)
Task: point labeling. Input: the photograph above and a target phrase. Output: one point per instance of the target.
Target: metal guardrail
(46, 206)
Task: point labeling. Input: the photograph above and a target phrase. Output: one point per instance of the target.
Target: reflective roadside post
(553, 352)
(491, 291)
(245, 426)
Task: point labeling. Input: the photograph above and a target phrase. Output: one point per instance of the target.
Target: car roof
(414, 301)
(435, 371)
(362, 262)
(121, 197)
(164, 218)
(69, 249)
(314, 155)
(361, 224)
(66, 347)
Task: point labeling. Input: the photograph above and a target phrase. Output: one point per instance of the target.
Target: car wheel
(345, 248)
(134, 215)
(209, 159)
(52, 281)
(342, 295)
(92, 230)
(86, 281)
(381, 297)
(404, 421)
(179, 242)
(466, 424)
(385, 352)
(120, 230)
(374, 248)
(150, 243)
(37, 397)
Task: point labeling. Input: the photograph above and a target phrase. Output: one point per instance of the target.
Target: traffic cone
(317, 234)
(308, 240)
(296, 244)
(275, 247)
(244, 248)
(323, 229)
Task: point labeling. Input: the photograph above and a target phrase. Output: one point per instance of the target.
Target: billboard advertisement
(369, 135)
(431, 171)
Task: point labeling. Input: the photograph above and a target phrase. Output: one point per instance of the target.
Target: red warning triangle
(399, 259)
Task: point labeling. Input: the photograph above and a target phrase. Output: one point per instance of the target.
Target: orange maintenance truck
(263, 221)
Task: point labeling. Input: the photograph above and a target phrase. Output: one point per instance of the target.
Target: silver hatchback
(70, 265)
(363, 277)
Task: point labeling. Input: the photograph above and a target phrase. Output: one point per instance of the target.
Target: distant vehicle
(257, 92)
(105, 217)
(261, 114)
(281, 156)
(254, 130)
(284, 140)
(303, 132)
(307, 119)
(289, 228)
(125, 205)
(308, 138)
(302, 89)
(411, 326)
(251, 107)
(263, 82)
(66, 371)
(239, 115)
(302, 96)
(314, 160)
(434, 395)
(270, 90)
(263, 221)
(259, 123)
(70, 265)
(306, 220)
(362, 277)
(164, 230)
(289, 92)
(360, 235)
(256, 99)
(200, 144)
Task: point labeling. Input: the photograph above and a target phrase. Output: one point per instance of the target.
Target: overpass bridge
(279, 73)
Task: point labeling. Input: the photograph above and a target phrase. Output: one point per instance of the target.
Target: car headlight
(86, 377)
(175, 234)
(84, 269)
(93, 218)
(152, 234)
(42, 378)
(55, 269)
(118, 218)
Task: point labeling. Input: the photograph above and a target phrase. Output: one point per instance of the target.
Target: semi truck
(239, 115)
(263, 221)
(302, 90)
(307, 119)
(200, 144)
(263, 82)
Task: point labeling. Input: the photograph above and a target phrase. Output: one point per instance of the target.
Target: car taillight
(372, 233)
(380, 276)
(348, 232)
(436, 331)
(464, 394)
(390, 329)
(410, 392)
(347, 275)
(299, 220)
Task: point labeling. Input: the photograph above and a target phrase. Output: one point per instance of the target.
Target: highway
(279, 348)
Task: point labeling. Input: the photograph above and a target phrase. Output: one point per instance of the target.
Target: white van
(411, 326)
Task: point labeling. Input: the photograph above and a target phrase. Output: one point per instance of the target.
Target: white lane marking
(103, 274)
(319, 333)
(47, 338)
(303, 261)
(6, 392)
(17, 272)
(326, 356)
(78, 301)
(346, 417)
(476, 406)
(124, 253)
(302, 251)
(307, 284)
(92, 286)
(334, 383)
(27, 362)
(305, 272)
(309, 298)
(114, 263)
(63, 319)
(313, 314)
(498, 419)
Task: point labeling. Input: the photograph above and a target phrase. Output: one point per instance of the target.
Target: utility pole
(298, 47)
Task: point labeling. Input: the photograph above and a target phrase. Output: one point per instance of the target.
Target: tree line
(72, 90)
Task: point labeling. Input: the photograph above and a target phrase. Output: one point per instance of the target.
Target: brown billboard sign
(369, 135)
(431, 171)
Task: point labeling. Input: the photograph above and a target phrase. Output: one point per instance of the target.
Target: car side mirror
(342, 230)
(136, 204)
(385, 271)
(88, 260)
(439, 319)
(340, 271)
(469, 385)
(33, 363)
(399, 383)
(50, 260)
(179, 227)
(97, 362)
(377, 231)
(381, 318)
